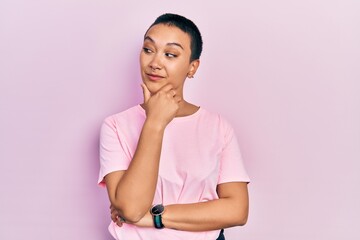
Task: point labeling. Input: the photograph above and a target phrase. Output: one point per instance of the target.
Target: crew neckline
(176, 118)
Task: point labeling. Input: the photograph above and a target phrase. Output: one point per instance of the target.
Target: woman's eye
(147, 50)
(170, 55)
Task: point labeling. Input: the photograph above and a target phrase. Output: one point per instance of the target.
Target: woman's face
(165, 58)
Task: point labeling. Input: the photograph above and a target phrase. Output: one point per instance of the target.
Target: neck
(186, 109)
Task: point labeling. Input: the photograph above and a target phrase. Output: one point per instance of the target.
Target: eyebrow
(169, 44)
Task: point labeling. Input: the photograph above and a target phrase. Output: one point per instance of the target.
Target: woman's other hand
(115, 216)
(146, 221)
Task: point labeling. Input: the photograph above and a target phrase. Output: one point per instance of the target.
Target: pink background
(285, 73)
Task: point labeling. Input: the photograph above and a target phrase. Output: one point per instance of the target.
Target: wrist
(157, 211)
(146, 221)
(155, 126)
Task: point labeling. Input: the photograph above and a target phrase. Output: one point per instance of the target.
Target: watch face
(157, 209)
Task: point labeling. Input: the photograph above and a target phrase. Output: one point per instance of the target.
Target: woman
(172, 169)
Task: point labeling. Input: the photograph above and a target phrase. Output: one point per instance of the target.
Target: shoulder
(130, 115)
(215, 119)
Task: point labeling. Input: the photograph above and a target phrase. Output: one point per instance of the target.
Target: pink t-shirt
(199, 152)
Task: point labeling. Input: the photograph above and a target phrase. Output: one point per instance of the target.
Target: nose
(155, 63)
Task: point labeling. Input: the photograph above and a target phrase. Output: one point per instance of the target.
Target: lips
(154, 77)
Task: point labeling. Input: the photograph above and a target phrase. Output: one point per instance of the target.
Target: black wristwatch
(156, 211)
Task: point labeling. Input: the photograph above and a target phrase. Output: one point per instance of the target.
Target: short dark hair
(187, 26)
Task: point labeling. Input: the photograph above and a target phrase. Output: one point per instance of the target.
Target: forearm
(203, 216)
(132, 191)
(135, 191)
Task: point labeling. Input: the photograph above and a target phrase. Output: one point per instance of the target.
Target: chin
(153, 87)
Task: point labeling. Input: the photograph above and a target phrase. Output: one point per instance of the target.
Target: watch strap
(158, 222)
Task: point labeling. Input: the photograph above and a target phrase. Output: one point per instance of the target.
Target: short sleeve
(112, 154)
(232, 167)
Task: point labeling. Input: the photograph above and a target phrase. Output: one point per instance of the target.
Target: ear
(194, 65)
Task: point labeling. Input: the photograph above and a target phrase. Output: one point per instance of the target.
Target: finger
(166, 88)
(114, 217)
(119, 223)
(113, 210)
(171, 93)
(177, 99)
(169, 90)
(146, 93)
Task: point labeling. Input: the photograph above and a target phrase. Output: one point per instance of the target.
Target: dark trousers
(221, 235)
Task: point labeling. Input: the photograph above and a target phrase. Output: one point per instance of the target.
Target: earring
(190, 76)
